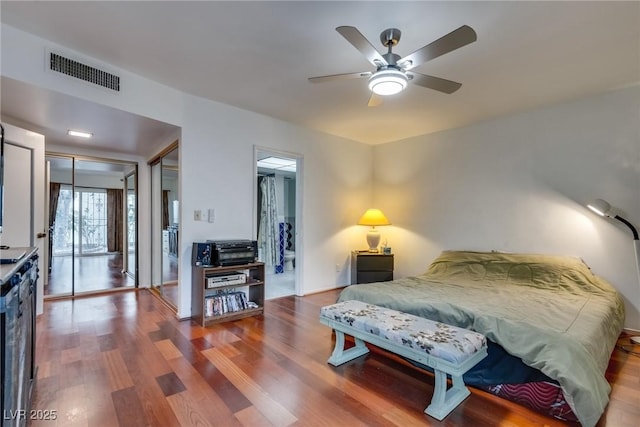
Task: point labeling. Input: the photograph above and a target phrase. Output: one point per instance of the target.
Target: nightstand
(367, 267)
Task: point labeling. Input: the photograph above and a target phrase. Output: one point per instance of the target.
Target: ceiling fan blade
(320, 79)
(435, 83)
(445, 44)
(360, 42)
(374, 100)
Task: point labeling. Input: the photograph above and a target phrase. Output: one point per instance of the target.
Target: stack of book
(225, 302)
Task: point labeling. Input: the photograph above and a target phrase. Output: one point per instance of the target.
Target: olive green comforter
(550, 311)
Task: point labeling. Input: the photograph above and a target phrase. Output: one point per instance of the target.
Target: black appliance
(17, 346)
(219, 253)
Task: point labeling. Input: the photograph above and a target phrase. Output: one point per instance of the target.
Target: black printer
(224, 252)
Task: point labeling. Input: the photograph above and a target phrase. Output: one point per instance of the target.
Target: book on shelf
(226, 302)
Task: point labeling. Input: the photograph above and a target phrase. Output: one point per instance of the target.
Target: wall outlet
(197, 215)
(211, 215)
(337, 268)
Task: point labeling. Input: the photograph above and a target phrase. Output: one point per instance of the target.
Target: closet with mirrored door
(165, 224)
(93, 225)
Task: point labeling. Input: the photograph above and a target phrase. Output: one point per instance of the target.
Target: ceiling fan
(393, 73)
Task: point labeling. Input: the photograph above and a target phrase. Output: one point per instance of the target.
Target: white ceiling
(258, 56)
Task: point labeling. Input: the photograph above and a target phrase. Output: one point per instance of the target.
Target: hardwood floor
(124, 360)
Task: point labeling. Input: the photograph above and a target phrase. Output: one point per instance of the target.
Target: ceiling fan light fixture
(388, 82)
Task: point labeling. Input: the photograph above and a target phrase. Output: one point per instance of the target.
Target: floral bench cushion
(439, 340)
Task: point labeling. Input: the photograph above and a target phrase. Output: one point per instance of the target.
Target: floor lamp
(603, 208)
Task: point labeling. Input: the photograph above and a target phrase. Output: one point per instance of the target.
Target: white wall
(217, 168)
(520, 184)
(218, 147)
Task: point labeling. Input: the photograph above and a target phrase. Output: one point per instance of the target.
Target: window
(81, 222)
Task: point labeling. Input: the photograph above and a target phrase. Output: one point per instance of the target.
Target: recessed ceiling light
(79, 133)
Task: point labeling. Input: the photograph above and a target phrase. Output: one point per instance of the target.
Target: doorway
(278, 220)
(89, 224)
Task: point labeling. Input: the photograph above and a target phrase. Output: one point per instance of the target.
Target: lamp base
(373, 240)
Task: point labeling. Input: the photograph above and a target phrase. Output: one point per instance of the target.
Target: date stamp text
(36, 414)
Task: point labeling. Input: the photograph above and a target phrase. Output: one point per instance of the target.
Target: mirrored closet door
(165, 224)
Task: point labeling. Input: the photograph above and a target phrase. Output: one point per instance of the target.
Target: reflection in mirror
(165, 205)
(170, 221)
(1, 173)
(60, 248)
(131, 228)
(99, 226)
(156, 228)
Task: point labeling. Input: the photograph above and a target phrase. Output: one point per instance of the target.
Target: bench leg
(444, 401)
(340, 355)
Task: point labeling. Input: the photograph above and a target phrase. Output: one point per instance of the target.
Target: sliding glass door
(89, 225)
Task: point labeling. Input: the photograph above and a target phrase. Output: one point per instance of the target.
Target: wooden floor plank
(273, 410)
(128, 408)
(73, 406)
(101, 411)
(168, 350)
(117, 370)
(188, 413)
(229, 393)
(251, 417)
(210, 403)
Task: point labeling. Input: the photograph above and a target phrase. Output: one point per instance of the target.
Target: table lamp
(373, 218)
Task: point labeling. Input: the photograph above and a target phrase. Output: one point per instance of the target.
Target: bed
(551, 323)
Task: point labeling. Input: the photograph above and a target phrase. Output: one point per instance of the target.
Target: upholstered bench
(449, 350)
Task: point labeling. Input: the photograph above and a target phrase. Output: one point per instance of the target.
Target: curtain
(259, 205)
(165, 209)
(54, 195)
(268, 231)
(114, 219)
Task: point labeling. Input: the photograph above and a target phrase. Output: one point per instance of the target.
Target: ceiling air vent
(84, 72)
